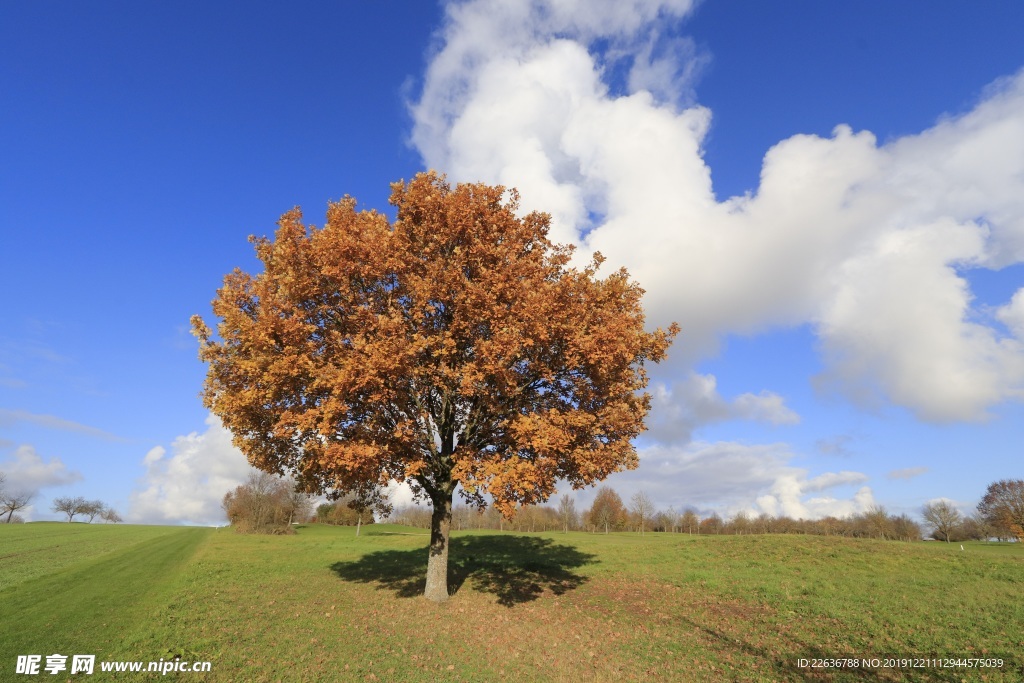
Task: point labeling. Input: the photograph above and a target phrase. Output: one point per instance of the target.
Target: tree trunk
(437, 558)
(359, 522)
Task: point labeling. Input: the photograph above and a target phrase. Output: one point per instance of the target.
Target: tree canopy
(1003, 506)
(607, 511)
(454, 347)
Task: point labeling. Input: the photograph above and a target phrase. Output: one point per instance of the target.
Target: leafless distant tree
(903, 528)
(763, 523)
(642, 508)
(266, 504)
(740, 524)
(976, 528)
(250, 507)
(92, 508)
(567, 513)
(876, 523)
(11, 502)
(942, 517)
(368, 499)
(110, 515)
(299, 505)
(690, 522)
(671, 519)
(70, 506)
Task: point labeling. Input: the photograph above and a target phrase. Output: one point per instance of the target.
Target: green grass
(324, 605)
(30, 550)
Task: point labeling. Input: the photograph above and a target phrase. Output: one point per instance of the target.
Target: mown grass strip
(28, 551)
(88, 608)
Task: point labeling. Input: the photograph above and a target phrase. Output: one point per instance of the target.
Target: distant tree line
(270, 504)
(88, 509)
(13, 501)
(356, 507)
(609, 513)
(1000, 515)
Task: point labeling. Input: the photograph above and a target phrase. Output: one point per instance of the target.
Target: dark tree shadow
(516, 569)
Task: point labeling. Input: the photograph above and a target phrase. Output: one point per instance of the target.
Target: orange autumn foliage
(455, 346)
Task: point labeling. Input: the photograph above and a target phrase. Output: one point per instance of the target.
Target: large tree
(1003, 506)
(453, 348)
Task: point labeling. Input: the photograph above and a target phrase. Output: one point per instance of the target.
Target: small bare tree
(567, 513)
(740, 523)
(368, 499)
(110, 515)
(690, 521)
(942, 517)
(876, 523)
(298, 504)
(92, 508)
(642, 507)
(12, 502)
(255, 506)
(976, 528)
(69, 506)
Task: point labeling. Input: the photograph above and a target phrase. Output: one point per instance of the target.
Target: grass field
(323, 605)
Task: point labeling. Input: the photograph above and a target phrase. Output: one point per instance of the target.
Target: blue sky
(850, 332)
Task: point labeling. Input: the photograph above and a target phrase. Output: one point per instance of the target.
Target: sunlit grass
(31, 550)
(324, 605)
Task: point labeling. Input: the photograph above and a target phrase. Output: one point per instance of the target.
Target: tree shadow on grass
(516, 569)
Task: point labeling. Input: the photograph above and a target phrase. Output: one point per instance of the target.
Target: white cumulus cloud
(188, 484)
(1012, 314)
(868, 243)
(683, 407)
(27, 472)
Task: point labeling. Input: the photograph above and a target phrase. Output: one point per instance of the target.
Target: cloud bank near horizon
(188, 485)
